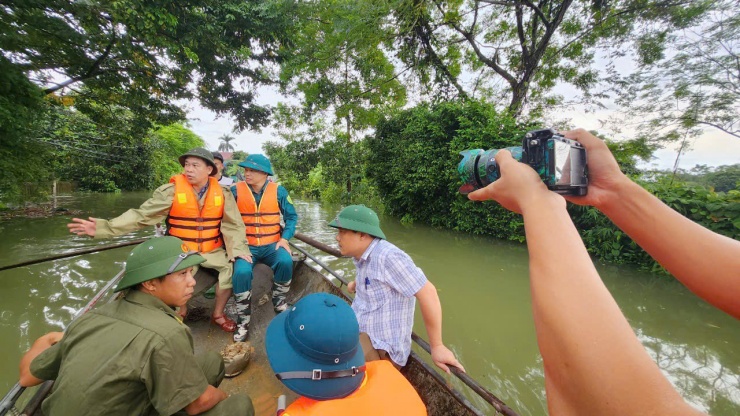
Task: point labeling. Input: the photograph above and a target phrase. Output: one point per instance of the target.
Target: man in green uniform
(198, 170)
(134, 356)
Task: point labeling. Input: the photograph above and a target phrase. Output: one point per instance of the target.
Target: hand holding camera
(559, 161)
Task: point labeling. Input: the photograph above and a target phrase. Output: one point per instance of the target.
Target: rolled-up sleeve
(46, 365)
(405, 277)
(153, 211)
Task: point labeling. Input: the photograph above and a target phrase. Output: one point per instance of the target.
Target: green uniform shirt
(155, 209)
(130, 357)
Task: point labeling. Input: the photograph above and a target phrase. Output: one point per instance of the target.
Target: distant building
(227, 155)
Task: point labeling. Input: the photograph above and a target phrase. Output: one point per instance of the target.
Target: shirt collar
(366, 255)
(203, 189)
(144, 299)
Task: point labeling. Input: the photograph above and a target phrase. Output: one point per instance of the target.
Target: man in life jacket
(218, 159)
(314, 349)
(261, 204)
(198, 211)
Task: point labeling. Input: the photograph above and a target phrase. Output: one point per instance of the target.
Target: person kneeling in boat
(389, 285)
(134, 356)
(314, 349)
(198, 211)
(261, 203)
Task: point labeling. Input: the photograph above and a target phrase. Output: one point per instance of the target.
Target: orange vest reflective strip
(263, 221)
(200, 229)
(383, 392)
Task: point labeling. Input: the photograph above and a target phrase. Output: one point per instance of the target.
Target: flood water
(482, 282)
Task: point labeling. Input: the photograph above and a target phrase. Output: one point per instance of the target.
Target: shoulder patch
(290, 201)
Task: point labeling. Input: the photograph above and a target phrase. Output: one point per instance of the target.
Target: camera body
(560, 162)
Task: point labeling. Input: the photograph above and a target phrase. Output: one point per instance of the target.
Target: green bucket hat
(358, 218)
(257, 162)
(203, 154)
(155, 258)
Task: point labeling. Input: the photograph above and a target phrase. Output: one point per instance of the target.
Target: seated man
(198, 211)
(261, 204)
(390, 283)
(314, 349)
(134, 356)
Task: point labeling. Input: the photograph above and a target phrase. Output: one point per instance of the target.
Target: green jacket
(130, 357)
(155, 209)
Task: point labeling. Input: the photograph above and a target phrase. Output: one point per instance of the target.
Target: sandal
(225, 323)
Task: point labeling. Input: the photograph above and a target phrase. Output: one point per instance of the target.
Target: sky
(714, 148)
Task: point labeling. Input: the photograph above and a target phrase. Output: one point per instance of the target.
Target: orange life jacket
(200, 229)
(263, 221)
(383, 392)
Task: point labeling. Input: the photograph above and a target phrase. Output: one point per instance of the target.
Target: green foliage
(169, 142)
(145, 56)
(720, 179)
(225, 145)
(519, 50)
(22, 160)
(413, 161)
(694, 88)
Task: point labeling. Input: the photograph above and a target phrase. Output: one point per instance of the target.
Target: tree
(518, 50)
(692, 87)
(225, 145)
(145, 56)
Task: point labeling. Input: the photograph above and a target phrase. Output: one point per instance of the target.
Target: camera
(560, 162)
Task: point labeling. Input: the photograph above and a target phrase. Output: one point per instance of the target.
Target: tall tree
(145, 56)
(518, 50)
(694, 86)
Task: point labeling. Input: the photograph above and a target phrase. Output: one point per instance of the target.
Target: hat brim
(283, 357)
(154, 270)
(208, 162)
(254, 166)
(358, 226)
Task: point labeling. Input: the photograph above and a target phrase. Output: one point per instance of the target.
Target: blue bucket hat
(314, 348)
(257, 162)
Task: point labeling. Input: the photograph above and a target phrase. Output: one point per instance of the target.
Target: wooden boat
(258, 380)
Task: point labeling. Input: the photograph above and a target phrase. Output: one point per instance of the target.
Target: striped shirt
(387, 281)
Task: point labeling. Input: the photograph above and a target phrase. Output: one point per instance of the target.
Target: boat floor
(258, 381)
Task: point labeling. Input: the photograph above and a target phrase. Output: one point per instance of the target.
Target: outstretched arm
(706, 262)
(594, 363)
(431, 311)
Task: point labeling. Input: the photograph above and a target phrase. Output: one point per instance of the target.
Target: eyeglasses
(180, 258)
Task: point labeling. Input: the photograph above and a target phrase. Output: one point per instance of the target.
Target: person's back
(109, 355)
(385, 391)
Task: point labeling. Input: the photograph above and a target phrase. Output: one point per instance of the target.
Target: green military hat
(358, 218)
(257, 162)
(203, 154)
(155, 258)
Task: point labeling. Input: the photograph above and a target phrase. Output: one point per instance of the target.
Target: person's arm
(290, 216)
(211, 397)
(151, 212)
(27, 379)
(594, 364)
(233, 230)
(706, 262)
(431, 311)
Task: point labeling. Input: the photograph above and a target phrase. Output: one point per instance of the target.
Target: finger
(443, 366)
(503, 158)
(583, 137)
(460, 366)
(484, 194)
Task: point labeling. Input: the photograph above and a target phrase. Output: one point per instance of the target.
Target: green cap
(257, 162)
(358, 218)
(155, 258)
(203, 154)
